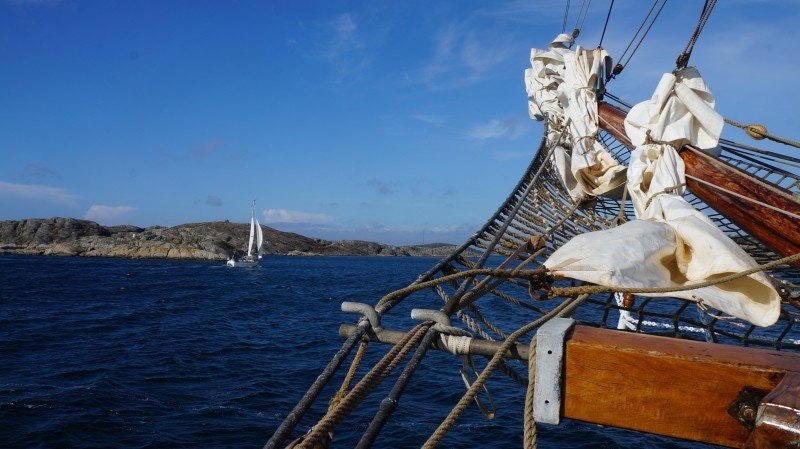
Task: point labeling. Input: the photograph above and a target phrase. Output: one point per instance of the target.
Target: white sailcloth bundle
(671, 244)
(561, 86)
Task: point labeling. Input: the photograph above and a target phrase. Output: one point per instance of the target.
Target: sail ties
(671, 246)
(561, 85)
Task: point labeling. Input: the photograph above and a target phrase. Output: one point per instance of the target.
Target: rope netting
(491, 282)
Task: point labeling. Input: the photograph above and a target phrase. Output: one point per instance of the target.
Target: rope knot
(539, 286)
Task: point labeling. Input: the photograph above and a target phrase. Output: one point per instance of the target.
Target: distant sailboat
(254, 255)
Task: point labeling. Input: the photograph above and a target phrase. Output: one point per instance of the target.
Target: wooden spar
(717, 178)
(678, 388)
(668, 386)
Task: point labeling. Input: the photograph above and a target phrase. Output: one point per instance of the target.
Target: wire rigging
(580, 19)
(683, 58)
(602, 36)
(624, 62)
(566, 14)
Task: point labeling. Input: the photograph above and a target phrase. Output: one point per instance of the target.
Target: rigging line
(618, 99)
(566, 14)
(761, 165)
(743, 197)
(645, 33)
(641, 25)
(582, 13)
(759, 150)
(683, 58)
(763, 133)
(602, 36)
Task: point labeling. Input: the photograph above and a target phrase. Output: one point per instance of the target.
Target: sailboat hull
(242, 263)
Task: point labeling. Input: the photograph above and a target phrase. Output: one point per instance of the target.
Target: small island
(59, 236)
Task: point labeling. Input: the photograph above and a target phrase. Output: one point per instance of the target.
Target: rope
(348, 378)
(566, 307)
(529, 430)
(644, 21)
(589, 289)
(621, 218)
(683, 58)
(581, 18)
(610, 7)
(403, 292)
(673, 190)
(633, 52)
(753, 129)
(364, 387)
(739, 195)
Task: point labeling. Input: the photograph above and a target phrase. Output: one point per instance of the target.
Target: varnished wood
(776, 229)
(665, 386)
(778, 422)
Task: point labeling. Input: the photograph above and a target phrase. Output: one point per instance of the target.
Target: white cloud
(108, 214)
(38, 192)
(496, 129)
(344, 48)
(461, 57)
(293, 216)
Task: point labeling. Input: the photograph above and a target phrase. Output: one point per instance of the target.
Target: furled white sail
(672, 244)
(561, 86)
(259, 239)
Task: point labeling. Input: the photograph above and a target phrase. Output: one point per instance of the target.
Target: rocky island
(207, 241)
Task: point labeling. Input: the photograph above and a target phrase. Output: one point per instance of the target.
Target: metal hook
(443, 323)
(365, 310)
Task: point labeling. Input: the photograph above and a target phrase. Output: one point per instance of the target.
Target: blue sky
(394, 121)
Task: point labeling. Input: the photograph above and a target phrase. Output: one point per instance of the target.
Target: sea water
(116, 353)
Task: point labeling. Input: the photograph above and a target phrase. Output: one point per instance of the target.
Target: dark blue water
(106, 353)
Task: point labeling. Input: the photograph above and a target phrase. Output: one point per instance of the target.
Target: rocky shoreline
(200, 241)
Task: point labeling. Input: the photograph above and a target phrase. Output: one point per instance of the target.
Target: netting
(481, 283)
(540, 206)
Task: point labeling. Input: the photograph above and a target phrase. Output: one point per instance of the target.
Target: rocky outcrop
(210, 241)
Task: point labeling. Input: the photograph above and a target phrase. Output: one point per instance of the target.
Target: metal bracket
(366, 310)
(745, 407)
(549, 365)
(443, 323)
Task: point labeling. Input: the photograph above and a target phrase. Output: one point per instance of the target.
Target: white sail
(250, 242)
(260, 239)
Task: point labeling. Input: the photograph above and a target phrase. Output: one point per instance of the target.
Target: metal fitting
(366, 311)
(443, 323)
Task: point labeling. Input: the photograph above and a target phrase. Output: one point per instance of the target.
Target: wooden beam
(666, 386)
(757, 216)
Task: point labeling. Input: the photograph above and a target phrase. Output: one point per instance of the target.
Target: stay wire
(566, 14)
(622, 64)
(683, 58)
(645, 33)
(602, 36)
(581, 18)
(641, 25)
